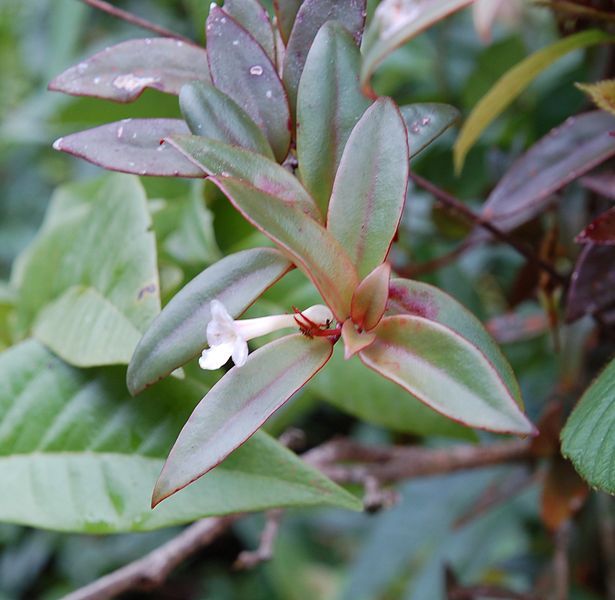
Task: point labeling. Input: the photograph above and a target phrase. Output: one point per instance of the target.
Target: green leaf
(370, 299)
(90, 458)
(122, 72)
(425, 122)
(178, 334)
(408, 297)
(312, 248)
(131, 146)
(285, 13)
(241, 69)
(370, 187)
(329, 104)
(312, 15)
(446, 372)
(212, 114)
(578, 145)
(220, 159)
(397, 21)
(587, 438)
(602, 93)
(251, 15)
(512, 83)
(355, 390)
(238, 405)
(64, 268)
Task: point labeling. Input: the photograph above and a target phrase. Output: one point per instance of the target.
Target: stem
(458, 206)
(124, 15)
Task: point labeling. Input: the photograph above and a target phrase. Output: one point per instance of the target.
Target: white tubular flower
(228, 338)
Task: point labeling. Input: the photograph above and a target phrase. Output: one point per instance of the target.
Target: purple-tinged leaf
(132, 146)
(600, 231)
(122, 72)
(407, 297)
(285, 13)
(212, 114)
(329, 104)
(238, 405)
(251, 15)
(309, 245)
(397, 21)
(592, 285)
(220, 159)
(370, 186)
(369, 300)
(312, 15)
(560, 157)
(600, 183)
(242, 70)
(446, 372)
(425, 122)
(355, 340)
(178, 334)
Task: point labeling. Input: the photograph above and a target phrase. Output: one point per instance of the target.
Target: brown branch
(248, 559)
(458, 206)
(152, 570)
(129, 17)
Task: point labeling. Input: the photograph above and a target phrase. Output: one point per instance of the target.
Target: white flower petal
(216, 356)
(240, 352)
(220, 332)
(219, 312)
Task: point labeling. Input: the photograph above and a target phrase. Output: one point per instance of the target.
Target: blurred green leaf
(329, 104)
(446, 372)
(238, 405)
(89, 459)
(426, 122)
(602, 93)
(179, 332)
(370, 186)
(513, 82)
(587, 438)
(65, 262)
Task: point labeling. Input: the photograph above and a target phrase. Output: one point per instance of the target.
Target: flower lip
(228, 338)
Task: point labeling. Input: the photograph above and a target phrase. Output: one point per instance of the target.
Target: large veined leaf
(564, 154)
(408, 297)
(212, 114)
(220, 159)
(426, 121)
(178, 334)
(512, 83)
(587, 438)
(445, 371)
(251, 15)
(329, 104)
(111, 296)
(312, 15)
(311, 247)
(397, 21)
(355, 390)
(90, 458)
(132, 146)
(242, 70)
(122, 72)
(370, 186)
(238, 405)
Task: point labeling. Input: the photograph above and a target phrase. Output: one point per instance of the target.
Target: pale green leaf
(602, 93)
(425, 122)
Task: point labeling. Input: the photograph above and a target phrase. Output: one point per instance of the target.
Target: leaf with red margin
(369, 300)
(132, 146)
(600, 231)
(285, 13)
(238, 405)
(312, 15)
(446, 372)
(354, 340)
(251, 15)
(309, 245)
(178, 334)
(122, 72)
(242, 70)
(370, 186)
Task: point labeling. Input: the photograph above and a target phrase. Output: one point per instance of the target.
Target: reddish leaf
(354, 340)
(242, 70)
(251, 15)
(560, 157)
(122, 72)
(369, 300)
(601, 183)
(600, 231)
(132, 146)
(312, 15)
